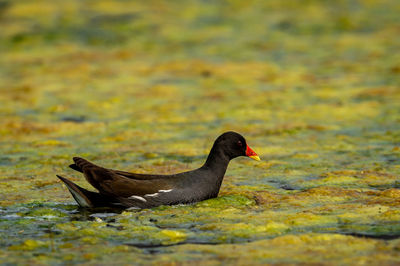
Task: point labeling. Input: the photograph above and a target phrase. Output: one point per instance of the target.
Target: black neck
(217, 161)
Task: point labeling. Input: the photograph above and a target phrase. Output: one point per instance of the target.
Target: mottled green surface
(147, 86)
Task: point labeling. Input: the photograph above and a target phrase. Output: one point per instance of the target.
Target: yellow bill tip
(255, 157)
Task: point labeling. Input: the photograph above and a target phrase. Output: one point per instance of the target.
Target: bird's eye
(240, 144)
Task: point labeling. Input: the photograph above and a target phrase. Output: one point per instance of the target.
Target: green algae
(147, 86)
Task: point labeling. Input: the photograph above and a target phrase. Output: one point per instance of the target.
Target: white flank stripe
(133, 208)
(151, 195)
(138, 197)
(167, 190)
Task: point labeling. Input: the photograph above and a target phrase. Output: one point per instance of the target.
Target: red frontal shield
(250, 153)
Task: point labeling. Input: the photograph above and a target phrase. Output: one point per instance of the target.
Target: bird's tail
(83, 197)
(80, 164)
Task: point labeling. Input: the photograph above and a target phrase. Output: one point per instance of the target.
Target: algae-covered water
(146, 86)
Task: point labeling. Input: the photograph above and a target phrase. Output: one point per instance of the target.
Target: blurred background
(86, 76)
(147, 86)
(152, 82)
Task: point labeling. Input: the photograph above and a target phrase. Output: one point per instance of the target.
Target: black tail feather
(75, 167)
(86, 198)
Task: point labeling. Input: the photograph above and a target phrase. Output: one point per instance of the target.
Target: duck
(121, 189)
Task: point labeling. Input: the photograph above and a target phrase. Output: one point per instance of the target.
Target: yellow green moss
(146, 86)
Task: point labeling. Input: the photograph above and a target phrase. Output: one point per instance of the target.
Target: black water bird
(130, 190)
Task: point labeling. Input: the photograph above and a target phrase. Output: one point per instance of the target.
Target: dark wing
(76, 167)
(139, 176)
(161, 197)
(111, 183)
(185, 190)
